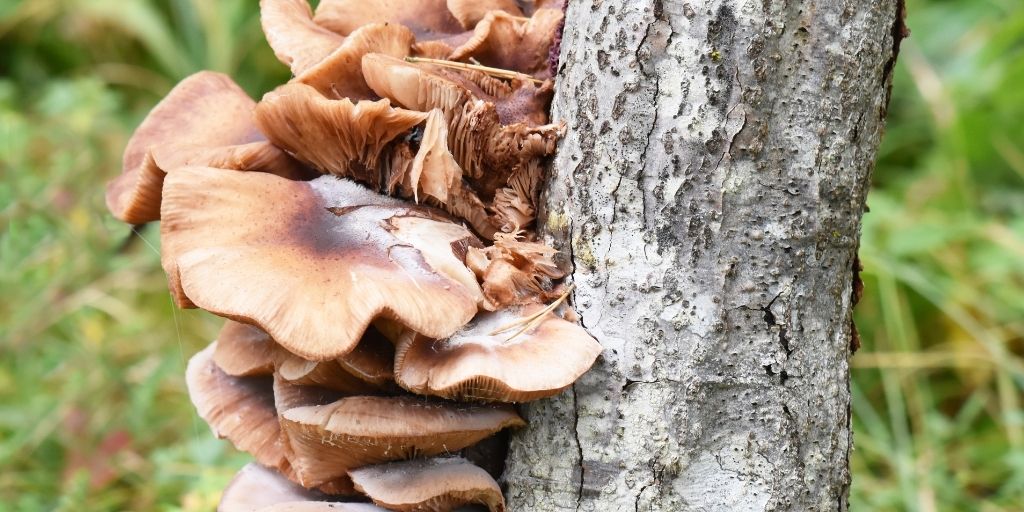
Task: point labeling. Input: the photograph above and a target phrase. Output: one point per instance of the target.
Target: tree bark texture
(709, 192)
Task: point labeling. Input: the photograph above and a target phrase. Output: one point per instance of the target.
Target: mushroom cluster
(367, 231)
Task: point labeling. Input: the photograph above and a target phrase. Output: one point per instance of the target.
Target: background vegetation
(93, 414)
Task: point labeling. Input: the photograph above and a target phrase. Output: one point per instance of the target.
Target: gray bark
(709, 191)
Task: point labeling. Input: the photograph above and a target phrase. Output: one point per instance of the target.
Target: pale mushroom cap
(244, 350)
(207, 107)
(334, 136)
(439, 484)
(475, 364)
(329, 440)
(321, 506)
(297, 41)
(470, 12)
(311, 263)
(340, 75)
(255, 487)
(239, 409)
(428, 19)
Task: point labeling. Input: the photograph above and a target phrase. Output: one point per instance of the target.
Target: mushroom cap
(428, 19)
(476, 364)
(239, 409)
(252, 157)
(329, 440)
(321, 506)
(487, 150)
(325, 374)
(428, 484)
(207, 107)
(373, 359)
(471, 12)
(506, 41)
(340, 75)
(255, 487)
(297, 41)
(244, 350)
(334, 136)
(312, 263)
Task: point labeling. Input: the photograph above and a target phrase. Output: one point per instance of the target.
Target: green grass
(92, 352)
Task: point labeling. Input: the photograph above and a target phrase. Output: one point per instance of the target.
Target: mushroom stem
(532, 320)
(498, 72)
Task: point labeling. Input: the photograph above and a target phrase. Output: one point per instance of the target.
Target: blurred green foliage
(93, 414)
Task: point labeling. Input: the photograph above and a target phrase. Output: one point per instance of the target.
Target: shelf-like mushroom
(506, 41)
(297, 41)
(487, 150)
(340, 75)
(471, 12)
(252, 157)
(434, 485)
(256, 487)
(312, 263)
(244, 350)
(428, 19)
(334, 136)
(239, 409)
(207, 107)
(321, 506)
(329, 440)
(512, 355)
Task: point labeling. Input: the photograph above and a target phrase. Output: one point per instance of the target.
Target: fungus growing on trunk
(438, 484)
(513, 355)
(353, 432)
(311, 263)
(206, 107)
(356, 319)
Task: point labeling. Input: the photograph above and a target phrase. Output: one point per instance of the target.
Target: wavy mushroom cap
(325, 374)
(486, 363)
(297, 41)
(207, 107)
(239, 409)
(244, 350)
(505, 41)
(428, 19)
(334, 136)
(259, 156)
(486, 149)
(321, 506)
(312, 263)
(329, 440)
(373, 360)
(471, 12)
(439, 484)
(255, 487)
(340, 75)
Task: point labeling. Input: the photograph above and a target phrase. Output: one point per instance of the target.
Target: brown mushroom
(428, 19)
(256, 487)
(312, 263)
(207, 107)
(438, 484)
(297, 41)
(505, 41)
(244, 350)
(340, 75)
(471, 12)
(252, 157)
(515, 272)
(373, 359)
(487, 150)
(329, 440)
(325, 374)
(334, 136)
(505, 356)
(239, 409)
(321, 506)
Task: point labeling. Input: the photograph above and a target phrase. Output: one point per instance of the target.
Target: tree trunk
(709, 192)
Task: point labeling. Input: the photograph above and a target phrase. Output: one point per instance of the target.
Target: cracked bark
(709, 193)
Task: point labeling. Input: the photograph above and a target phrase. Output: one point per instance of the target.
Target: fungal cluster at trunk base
(367, 231)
